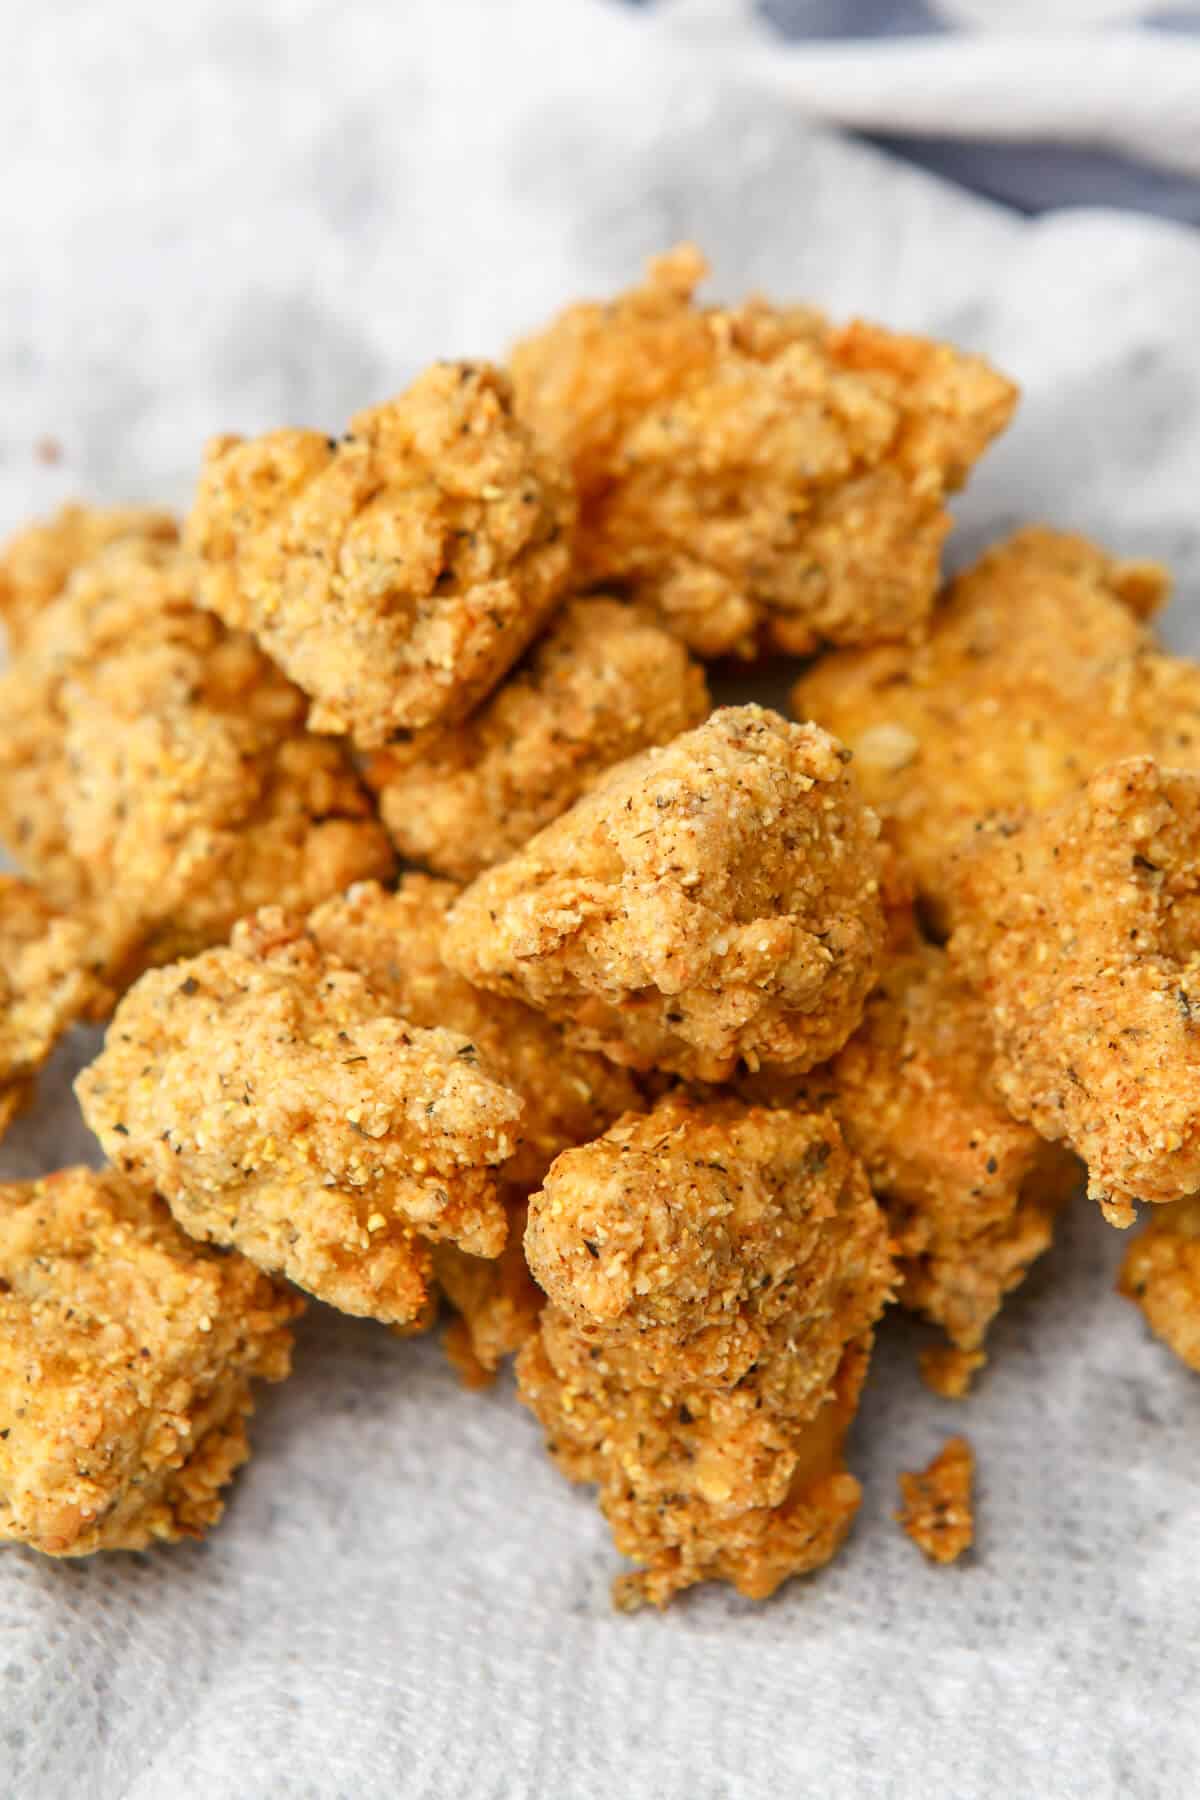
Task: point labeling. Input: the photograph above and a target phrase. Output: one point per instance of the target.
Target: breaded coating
(397, 942)
(937, 1511)
(604, 683)
(397, 573)
(154, 770)
(496, 1303)
(757, 476)
(714, 1272)
(279, 1105)
(36, 564)
(1080, 929)
(1161, 1274)
(126, 1357)
(714, 899)
(948, 1371)
(970, 1193)
(1039, 670)
(46, 986)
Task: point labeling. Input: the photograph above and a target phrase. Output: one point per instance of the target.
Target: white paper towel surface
(226, 217)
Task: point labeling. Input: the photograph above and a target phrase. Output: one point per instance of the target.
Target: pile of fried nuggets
(699, 1036)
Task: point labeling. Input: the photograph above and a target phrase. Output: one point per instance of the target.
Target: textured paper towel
(221, 217)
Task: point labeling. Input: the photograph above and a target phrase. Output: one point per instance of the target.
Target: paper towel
(228, 217)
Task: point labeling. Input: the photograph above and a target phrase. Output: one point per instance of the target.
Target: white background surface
(227, 217)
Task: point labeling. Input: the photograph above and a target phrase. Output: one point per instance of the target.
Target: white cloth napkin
(1067, 71)
(224, 217)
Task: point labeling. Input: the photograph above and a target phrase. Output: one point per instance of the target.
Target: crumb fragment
(394, 574)
(756, 475)
(937, 1512)
(714, 1272)
(948, 1371)
(1079, 928)
(36, 564)
(1039, 669)
(155, 775)
(604, 683)
(278, 1105)
(1161, 1274)
(126, 1357)
(46, 986)
(714, 899)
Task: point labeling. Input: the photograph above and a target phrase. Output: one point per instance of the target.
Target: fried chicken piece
(395, 574)
(604, 683)
(970, 1193)
(755, 475)
(1161, 1274)
(46, 986)
(496, 1303)
(712, 899)
(279, 1105)
(36, 564)
(1079, 928)
(937, 1511)
(714, 1272)
(397, 942)
(1039, 670)
(154, 770)
(126, 1357)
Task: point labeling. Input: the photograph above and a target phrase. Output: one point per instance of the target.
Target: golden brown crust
(496, 1303)
(1039, 669)
(395, 574)
(126, 1355)
(970, 1193)
(397, 942)
(46, 986)
(937, 1511)
(1078, 928)
(949, 1372)
(1161, 1274)
(279, 1105)
(36, 564)
(753, 474)
(714, 899)
(154, 770)
(604, 683)
(714, 1272)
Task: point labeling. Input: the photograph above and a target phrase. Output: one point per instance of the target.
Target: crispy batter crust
(1079, 929)
(279, 1105)
(757, 476)
(604, 683)
(397, 942)
(154, 770)
(1039, 669)
(970, 1193)
(46, 985)
(36, 564)
(937, 1511)
(1161, 1274)
(714, 1272)
(126, 1355)
(496, 1303)
(711, 900)
(397, 573)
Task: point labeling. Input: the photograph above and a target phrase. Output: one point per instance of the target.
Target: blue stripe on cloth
(852, 18)
(1034, 177)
